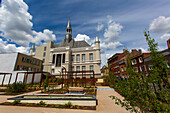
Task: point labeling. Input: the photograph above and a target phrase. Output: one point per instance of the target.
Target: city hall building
(69, 54)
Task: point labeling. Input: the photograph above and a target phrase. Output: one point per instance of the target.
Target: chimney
(168, 43)
(124, 50)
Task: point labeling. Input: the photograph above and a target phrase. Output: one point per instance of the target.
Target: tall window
(83, 57)
(43, 61)
(136, 69)
(58, 60)
(142, 68)
(91, 56)
(83, 68)
(77, 68)
(134, 62)
(63, 58)
(140, 60)
(44, 48)
(72, 58)
(44, 54)
(52, 71)
(91, 68)
(72, 68)
(78, 58)
(53, 59)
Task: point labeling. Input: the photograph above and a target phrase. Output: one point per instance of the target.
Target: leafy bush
(16, 87)
(42, 103)
(68, 105)
(45, 85)
(16, 102)
(149, 93)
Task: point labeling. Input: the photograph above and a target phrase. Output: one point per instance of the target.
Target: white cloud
(16, 25)
(99, 27)
(165, 36)
(5, 47)
(81, 37)
(144, 50)
(112, 31)
(160, 25)
(111, 45)
(46, 35)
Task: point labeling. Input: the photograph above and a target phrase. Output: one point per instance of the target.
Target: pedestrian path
(104, 89)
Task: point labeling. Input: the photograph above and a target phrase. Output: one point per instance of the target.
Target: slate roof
(72, 44)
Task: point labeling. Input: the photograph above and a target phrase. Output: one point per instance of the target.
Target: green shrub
(52, 105)
(57, 106)
(42, 103)
(78, 107)
(16, 87)
(68, 105)
(16, 102)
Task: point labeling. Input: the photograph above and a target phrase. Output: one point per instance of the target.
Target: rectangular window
(58, 61)
(83, 68)
(91, 56)
(140, 60)
(44, 48)
(44, 54)
(23, 59)
(43, 61)
(122, 69)
(63, 58)
(53, 59)
(72, 58)
(78, 58)
(77, 68)
(72, 68)
(52, 71)
(136, 69)
(134, 62)
(142, 68)
(83, 57)
(150, 67)
(91, 68)
(38, 63)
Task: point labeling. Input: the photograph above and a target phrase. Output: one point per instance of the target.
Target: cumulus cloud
(5, 47)
(81, 37)
(46, 35)
(99, 27)
(160, 25)
(112, 31)
(16, 25)
(165, 36)
(111, 45)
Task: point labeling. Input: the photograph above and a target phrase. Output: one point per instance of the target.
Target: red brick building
(113, 63)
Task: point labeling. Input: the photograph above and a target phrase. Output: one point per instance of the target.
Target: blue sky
(118, 23)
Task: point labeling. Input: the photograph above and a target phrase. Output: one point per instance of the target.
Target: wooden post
(33, 78)
(82, 79)
(62, 79)
(16, 78)
(10, 79)
(3, 80)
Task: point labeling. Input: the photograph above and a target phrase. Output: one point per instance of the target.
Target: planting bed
(51, 106)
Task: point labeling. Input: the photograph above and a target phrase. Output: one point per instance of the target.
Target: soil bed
(50, 106)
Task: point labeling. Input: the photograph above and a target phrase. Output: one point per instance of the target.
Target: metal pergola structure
(78, 77)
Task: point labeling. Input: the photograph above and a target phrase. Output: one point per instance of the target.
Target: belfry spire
(68, 36)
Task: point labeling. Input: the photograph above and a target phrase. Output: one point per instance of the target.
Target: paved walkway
(105, 105)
